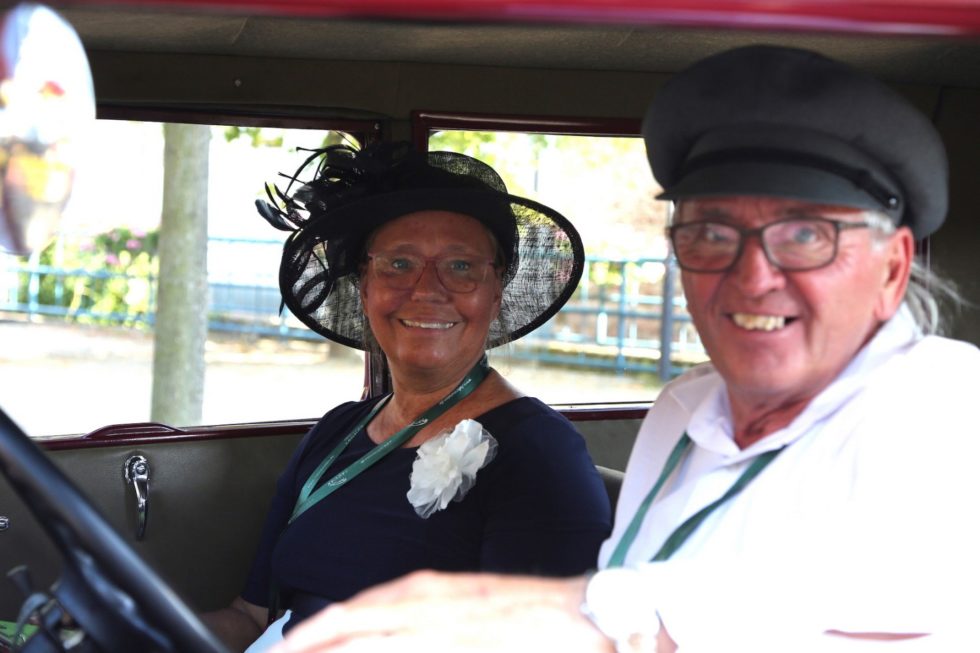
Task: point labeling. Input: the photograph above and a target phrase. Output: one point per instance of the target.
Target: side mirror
(46, 100)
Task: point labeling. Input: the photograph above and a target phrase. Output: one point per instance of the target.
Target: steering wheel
(111, 594)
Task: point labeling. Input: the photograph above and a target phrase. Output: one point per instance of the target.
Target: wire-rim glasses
(458, 273)
(793, 244)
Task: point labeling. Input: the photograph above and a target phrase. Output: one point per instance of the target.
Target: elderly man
(813, 487)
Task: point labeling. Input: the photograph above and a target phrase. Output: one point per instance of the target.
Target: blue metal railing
(619, 325)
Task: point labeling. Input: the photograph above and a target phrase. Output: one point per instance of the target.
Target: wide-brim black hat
(784, 122)
(351, 193)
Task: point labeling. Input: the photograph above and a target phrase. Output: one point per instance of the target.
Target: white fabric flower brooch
(445, 467)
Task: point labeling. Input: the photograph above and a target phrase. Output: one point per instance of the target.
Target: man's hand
(432, 612)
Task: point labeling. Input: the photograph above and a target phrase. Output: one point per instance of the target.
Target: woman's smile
(428, 324)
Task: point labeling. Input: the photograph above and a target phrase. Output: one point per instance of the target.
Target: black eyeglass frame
(743, 234)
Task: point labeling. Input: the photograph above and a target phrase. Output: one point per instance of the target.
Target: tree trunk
(181, 323)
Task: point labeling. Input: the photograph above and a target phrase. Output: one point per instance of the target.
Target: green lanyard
(682, 532)
(310, 495)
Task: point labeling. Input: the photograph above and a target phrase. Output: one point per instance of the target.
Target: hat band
(860, 177)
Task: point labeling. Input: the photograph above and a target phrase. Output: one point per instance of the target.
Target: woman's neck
(415, 392)
(408, 403)
(415, 395)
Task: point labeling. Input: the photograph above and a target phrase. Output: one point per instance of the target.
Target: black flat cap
(774, 121)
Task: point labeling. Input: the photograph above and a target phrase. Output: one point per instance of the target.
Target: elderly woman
(429, 260)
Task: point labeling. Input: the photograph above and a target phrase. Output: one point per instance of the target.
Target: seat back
(613, 480)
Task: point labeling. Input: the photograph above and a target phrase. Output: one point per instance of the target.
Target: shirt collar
(706, 399)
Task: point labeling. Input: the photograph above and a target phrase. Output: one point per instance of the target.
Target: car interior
(392, 71)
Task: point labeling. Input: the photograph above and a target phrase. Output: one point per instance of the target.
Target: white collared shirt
(869, 521)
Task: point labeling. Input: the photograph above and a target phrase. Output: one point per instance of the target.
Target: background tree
(182, 295)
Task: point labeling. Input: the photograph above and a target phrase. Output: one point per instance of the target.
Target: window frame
(376, 377)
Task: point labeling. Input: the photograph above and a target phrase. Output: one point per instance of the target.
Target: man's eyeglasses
(795, 244)
(459, 274)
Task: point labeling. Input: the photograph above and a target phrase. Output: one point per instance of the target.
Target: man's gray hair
(928, 292)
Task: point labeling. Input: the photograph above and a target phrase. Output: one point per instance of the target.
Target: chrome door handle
(136, 470)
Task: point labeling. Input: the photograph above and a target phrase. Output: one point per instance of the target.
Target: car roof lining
(919, 58)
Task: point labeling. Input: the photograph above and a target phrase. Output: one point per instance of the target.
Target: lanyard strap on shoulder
(626, 541)
(684, 531)
(310, 494)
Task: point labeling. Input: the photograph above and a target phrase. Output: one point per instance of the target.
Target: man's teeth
(759, 322)
(428, 325)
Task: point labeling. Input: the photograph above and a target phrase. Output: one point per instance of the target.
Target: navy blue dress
(539, 507)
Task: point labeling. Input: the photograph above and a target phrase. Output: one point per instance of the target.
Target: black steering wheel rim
(102, 565)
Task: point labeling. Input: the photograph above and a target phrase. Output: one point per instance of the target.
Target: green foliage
(467, 142)
(259, 136)
(275, 137)
(106, 279)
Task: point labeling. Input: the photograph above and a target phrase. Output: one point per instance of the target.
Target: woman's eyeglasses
(458, 273)
(795, 244)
